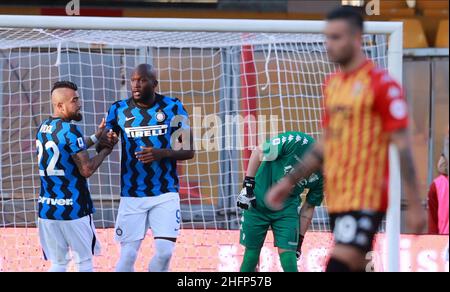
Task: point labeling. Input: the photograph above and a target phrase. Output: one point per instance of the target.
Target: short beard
(344, 62)
(77, 117)
(346, 59)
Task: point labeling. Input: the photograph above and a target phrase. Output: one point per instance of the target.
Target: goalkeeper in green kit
(266, 167)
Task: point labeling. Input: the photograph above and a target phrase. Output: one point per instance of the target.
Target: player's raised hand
(101, 128)
(150, 154)
(112, 137)
(277, 195)
(108, 139)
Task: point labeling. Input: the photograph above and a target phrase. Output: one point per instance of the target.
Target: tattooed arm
(87, 166)
(311, 162)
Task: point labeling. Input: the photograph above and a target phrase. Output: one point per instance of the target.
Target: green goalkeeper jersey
(280, 155)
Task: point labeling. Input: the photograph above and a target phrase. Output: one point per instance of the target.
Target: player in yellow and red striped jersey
(362, 108)
(364, 111)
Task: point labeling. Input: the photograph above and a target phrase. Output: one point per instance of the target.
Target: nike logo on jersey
(129, 119)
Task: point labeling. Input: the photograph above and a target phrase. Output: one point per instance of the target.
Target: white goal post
(394, 31)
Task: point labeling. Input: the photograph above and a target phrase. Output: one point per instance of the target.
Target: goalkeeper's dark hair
(64, 84)
(351, 14)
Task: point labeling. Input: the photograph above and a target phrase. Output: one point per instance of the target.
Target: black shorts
(356, 228)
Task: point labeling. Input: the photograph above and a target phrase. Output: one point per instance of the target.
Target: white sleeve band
(93, 139)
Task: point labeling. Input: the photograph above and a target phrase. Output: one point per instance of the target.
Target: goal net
(240, 89)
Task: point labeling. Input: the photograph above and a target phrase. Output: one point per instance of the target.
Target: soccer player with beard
(365, 111)
(65, 205)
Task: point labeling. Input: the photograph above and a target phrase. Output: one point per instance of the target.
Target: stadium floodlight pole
(395, 62)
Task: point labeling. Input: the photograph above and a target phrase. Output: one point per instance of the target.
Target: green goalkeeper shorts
(284, 224)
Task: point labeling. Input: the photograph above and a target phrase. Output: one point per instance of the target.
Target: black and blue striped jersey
(152, 127)
(64, 193)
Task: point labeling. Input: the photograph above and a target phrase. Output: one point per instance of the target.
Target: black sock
(336, 266)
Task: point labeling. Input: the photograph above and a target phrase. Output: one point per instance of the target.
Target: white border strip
(395, 66)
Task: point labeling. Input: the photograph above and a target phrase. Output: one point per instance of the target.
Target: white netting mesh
(13, 38)
(206, 71)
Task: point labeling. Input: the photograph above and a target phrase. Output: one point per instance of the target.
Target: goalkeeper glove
(247, 196)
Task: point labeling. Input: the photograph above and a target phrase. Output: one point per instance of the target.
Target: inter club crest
(160, 116)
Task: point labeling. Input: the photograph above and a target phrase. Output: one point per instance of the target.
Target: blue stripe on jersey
(150, 128)
(157, 168)
(72, 168)
(138, 170)
(61, 183)
(64, 193)
(51, 185)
